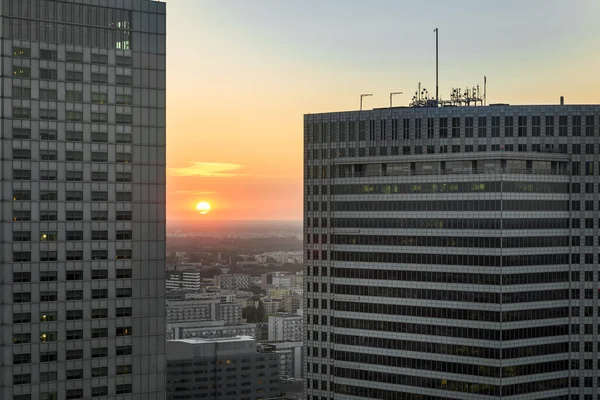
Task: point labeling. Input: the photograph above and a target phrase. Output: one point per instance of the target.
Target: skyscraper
(452, 252)
(82, 199)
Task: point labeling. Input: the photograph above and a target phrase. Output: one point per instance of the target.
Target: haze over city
(242, 73)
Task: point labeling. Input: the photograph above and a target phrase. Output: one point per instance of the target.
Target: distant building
(187, 280)
(286, 327)
(262, 332)
(290, 357)
(233, 281)
(291, 304)
(192, 309)
(207, 329)
(271, 305)
(277, 280)
(222, 369)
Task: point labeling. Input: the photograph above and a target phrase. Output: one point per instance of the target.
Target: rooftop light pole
(392, 94)
(361, 98)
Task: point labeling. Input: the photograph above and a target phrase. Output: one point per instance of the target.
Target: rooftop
(216, 340)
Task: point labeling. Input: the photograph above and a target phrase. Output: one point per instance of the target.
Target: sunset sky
(241, 74)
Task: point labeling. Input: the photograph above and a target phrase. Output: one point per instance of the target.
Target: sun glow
(203, 207)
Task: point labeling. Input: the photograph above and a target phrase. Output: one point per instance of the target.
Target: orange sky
(240, 76)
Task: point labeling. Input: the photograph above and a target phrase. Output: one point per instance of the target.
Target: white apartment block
(286, 327)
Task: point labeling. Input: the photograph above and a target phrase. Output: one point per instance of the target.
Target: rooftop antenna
(361, 98)
(484, 90)
(436, 67)
(392, 94)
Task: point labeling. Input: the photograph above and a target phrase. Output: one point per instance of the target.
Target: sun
(203, 207)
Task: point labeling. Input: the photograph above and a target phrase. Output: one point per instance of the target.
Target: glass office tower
(82, 199)
(452, 253)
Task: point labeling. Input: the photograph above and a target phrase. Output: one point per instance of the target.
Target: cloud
(208, 170)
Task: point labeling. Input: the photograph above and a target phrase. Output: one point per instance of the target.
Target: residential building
(271, 305)
(452, 252)
(285, 327)
(290, 357)
(233, 281)
(82, 199)
(184, 280)
(291, 304)
(220, 369)
(208, 329)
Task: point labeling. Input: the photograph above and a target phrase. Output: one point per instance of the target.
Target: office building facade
(452, 253)
(82, 199)
(220, 369)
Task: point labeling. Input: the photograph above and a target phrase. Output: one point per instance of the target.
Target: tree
(249, 312)
(261, 313)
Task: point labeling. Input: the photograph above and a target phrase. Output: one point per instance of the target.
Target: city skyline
(235, 136)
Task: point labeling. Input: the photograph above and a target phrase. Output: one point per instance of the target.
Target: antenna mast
(437, 90)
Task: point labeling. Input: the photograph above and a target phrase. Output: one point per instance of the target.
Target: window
(124, 350)
(124, 215)
(48, 175)
(74, 116)
(124, 312)
(73, 155)
(74, 374)
(24, 359)
(124, 80)
(74, 76)
(47, 134)
(74, 294)
(74, 96)
(21, 92)
(51, 55)
(99, 235)
(123, 138)
(19, 215)
(99, 274)
(99, 137)
(48, 115)
(48, 215)
(48, 276)
(74, 255)
(124, 369)
(50, 336)
(74, 176)
(99, 98)
(21, 277)
(100, 352)
(99, 59)
(73, 195)
(76, 354)
(76, 275)
(99, 78)
(99, 254)
(99, 293)
(75, 334)
(21, 133)
(21, 318)
(73, 394)
(74, 315)
(99, 196)
(123, 157)
(48, 296)
(123, 331)
(99, 215)
(99, 177)
(21, 195)
(48, 256)
(99, 156)
(74, 136)
(123, 235)
(74, 235)
(100, 117)
(48, 356)
(21, 72)
(21, 113)
(99, 390)
(124, 388)
(21, 256)
(48, 155)
(124, 292)
(123, 177)
(21, 236)
(73, 56)
(50, 376)
(124, 61)
(23, 52)
(99, 371)
(123, 255)
(48, 94)
(21, 379)
(122, 196)
(98, 313)
(123, 99)
(48, 74)
(99, 333)
(21, 154)
(124, 119)
(19, 338)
